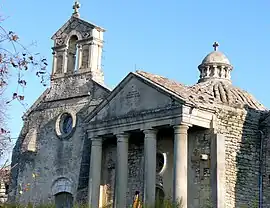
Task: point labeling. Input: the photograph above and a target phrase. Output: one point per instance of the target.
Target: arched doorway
(63, 200)
(62, 192)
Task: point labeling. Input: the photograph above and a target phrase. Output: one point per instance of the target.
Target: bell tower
(78, 48)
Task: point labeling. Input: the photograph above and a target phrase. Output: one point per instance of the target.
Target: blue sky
(169, 38)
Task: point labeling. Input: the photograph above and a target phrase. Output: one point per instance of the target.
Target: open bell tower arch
(77, 49)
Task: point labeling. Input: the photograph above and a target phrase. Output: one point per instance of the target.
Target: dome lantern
(215, 66)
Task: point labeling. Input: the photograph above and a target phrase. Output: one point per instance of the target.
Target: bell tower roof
(77, 22)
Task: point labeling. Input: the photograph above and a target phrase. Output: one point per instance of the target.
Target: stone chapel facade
(81, 142)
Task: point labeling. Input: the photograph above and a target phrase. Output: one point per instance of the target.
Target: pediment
(133, 96)
(82, 28)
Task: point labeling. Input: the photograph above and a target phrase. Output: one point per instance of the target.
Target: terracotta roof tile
(170, 85)
(206, 94)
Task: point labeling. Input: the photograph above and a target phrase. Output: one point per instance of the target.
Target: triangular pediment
(77, 24)
(134, 95)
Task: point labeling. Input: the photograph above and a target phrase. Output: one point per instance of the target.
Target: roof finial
(215, 46)
(76, 7)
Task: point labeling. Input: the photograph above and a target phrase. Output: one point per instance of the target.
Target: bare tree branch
(15, 61)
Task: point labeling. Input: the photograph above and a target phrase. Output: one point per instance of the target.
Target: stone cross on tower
(76, 7)
(215, 46)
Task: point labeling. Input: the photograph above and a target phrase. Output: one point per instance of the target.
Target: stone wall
(199, 169)
(108, 171)
(53, 157)
(40, 155)
(82, 189)
(241, 128)
(265, 134)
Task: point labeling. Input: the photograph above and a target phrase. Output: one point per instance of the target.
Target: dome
(213, 93)
(216, 57)
(217, 92)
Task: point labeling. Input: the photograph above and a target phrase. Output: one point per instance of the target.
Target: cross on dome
(76, 7)
(215, 46)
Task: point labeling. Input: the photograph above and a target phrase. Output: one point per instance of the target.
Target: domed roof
(212, 93)
(216, 57)
(218, 92)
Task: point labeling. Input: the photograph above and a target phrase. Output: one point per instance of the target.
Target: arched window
(63, 200)
(72, 54)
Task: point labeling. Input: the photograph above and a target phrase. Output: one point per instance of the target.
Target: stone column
(217, 171)
(54, 62)
(215, 71)
(65, 60)
(122, 170)
(180, 180)
(150, 151)
(99, 57)
(93, 56)
(79, 58)
(95, 172)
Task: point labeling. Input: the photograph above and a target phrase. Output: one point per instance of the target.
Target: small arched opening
(72, 54)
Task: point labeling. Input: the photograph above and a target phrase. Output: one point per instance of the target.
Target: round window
(67, 123)
(160, 162)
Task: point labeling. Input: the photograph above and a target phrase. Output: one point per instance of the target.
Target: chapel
(148, 140)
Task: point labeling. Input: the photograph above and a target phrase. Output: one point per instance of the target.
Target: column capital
(181, 128)
(96, 141)
(122, 137)
(150, 131)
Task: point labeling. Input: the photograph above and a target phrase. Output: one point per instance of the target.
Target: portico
(110, 120)
(150, 150)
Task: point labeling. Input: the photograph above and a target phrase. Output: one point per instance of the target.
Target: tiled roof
(206, 94)
(170, 85)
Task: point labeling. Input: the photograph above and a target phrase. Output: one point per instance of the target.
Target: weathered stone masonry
(242, 155)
